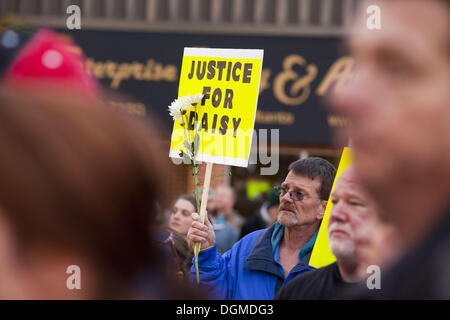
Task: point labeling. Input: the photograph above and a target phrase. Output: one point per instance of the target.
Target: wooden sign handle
(205, 192)
(206, 183)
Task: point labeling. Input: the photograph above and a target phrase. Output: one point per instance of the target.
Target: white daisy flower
(181, 105)
(193, 99)
(175, 109)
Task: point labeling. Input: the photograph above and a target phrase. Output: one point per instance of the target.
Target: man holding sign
(219, 127)
(262, 262)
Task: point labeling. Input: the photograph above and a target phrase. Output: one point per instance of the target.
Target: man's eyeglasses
(295, 195)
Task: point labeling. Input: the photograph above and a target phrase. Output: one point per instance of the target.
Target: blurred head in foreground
(398, 109)
(79, 187)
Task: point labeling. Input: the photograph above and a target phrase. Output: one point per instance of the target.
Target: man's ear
(323, 206)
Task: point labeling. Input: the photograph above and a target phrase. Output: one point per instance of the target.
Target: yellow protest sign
(224, 119)
(321, 254)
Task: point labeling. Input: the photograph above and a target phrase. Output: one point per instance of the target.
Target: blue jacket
(251, 268)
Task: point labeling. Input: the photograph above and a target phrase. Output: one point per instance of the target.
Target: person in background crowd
(180, 215)
(210, 206)
(259, 264)
(224, 205)
(351, 227)
(398, 110)
(244, 205)
(265, 216)
(226, 236)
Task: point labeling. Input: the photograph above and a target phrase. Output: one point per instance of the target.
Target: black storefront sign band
(297, 73)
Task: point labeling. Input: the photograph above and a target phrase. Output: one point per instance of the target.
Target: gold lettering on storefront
(339, 72)
(264, 83)
(118, 72)
(301, 86)
(277, 117)
(337, 121)
(133, 108)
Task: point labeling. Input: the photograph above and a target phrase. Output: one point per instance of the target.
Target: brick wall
(179, 179)
(218, 176)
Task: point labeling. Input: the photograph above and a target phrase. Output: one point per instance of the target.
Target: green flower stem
(197, 244)
(191, 148)
(195, 169)
(196, 252)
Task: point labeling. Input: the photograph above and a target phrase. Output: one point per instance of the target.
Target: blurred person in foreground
(79, 187)
(398, 111)
(259, 264)
(352, 227)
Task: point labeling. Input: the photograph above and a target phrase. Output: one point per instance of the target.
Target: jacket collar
(261, 256)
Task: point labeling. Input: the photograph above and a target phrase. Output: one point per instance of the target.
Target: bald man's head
(352, 207)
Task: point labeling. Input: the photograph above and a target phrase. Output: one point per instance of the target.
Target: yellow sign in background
(321, 255)
(229, 80)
